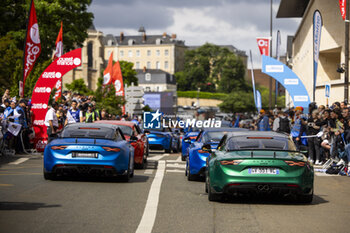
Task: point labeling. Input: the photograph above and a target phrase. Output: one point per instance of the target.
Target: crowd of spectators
(73, 108)
(321, 130)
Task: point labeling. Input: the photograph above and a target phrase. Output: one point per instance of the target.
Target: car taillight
(113, 149)
(58, 147)
(202, 151)
(293, 163)
(231, 162)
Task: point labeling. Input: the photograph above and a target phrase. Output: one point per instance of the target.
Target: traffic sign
(327, 89)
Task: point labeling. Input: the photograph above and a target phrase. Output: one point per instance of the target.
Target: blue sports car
(163, 139)
(189, 138)
(196, 160)
(93, 149)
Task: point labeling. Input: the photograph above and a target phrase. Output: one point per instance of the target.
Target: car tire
(213, 196)
(176, 150)
(190, 177)
(170, 147)
(206, 184)
(49, 176)
(129, 173)
(183, 158)
(305, 199)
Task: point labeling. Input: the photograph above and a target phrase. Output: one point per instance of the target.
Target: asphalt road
(28, 203)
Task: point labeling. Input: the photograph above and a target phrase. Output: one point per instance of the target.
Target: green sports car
(258, 162)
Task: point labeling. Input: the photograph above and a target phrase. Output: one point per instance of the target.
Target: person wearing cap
(263, 121)
(91, 115)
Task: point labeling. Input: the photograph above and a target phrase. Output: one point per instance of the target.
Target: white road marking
(178, 159)
(176, 165)
(175, 171)
(150, 212)
(18, 161)
(156, 158)
(175, 161)
(149, 171)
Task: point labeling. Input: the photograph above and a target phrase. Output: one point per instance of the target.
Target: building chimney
(144, 69)
(121, 37)
(144, 37)
(173, 36)
(164, 35)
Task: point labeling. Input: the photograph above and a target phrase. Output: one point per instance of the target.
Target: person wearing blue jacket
(263, 121)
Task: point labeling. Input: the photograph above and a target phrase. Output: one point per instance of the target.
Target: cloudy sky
(222, 22)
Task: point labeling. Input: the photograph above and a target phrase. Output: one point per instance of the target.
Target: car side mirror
(207, 148)
(188, 140)
(133, 139)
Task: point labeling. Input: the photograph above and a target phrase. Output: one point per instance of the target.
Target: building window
(137, 53)
(130, 53)
(121, 53)
(166, 52)
(89, 53)
(131, 42)
(137, 65)
(158, 65)
(148, 52)
(148, 65)
(158, 41)
(166, 65)
(148, 89)
(158, 53)
(148, 77)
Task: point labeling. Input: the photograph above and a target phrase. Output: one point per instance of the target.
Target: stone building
(332, 53)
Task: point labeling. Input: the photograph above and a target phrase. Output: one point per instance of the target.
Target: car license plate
(264, 170)
(84, 155)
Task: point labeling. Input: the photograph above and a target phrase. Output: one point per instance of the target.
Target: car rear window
(272, 143)
(126, 129)
(213, 136)
(89, 132)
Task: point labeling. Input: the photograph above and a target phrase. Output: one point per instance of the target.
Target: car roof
(227, 129)
(251, 133)
(115, 122)
(91, 125)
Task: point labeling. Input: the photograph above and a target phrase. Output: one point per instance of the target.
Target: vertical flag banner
(32, 47)
(118, 79)
(342, 6)
(107, 73)
(317, 28)
(278, 47)
(264, 45)
(252, 72)
(59, 44)
(258, 103)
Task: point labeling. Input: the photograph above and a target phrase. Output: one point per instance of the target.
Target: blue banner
(258, 102)
(287, 78)
(317, 28)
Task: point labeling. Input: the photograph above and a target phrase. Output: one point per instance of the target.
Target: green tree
(238, 101)
(76, 21)
(106, 98)
(79, 86)
(211, 68)
(129, 74)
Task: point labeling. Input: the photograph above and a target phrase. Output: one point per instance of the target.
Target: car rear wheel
(305, 199)
(49, 175)
(183, 158)
(213, 196)
(170, 145)
(190, 177)
(130, 173)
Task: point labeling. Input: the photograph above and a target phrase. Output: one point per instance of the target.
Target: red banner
(32, 46)
(42, 91)
(264, 45)
(108, 72)
(342, 5)
(118, 79)
(59, 44)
